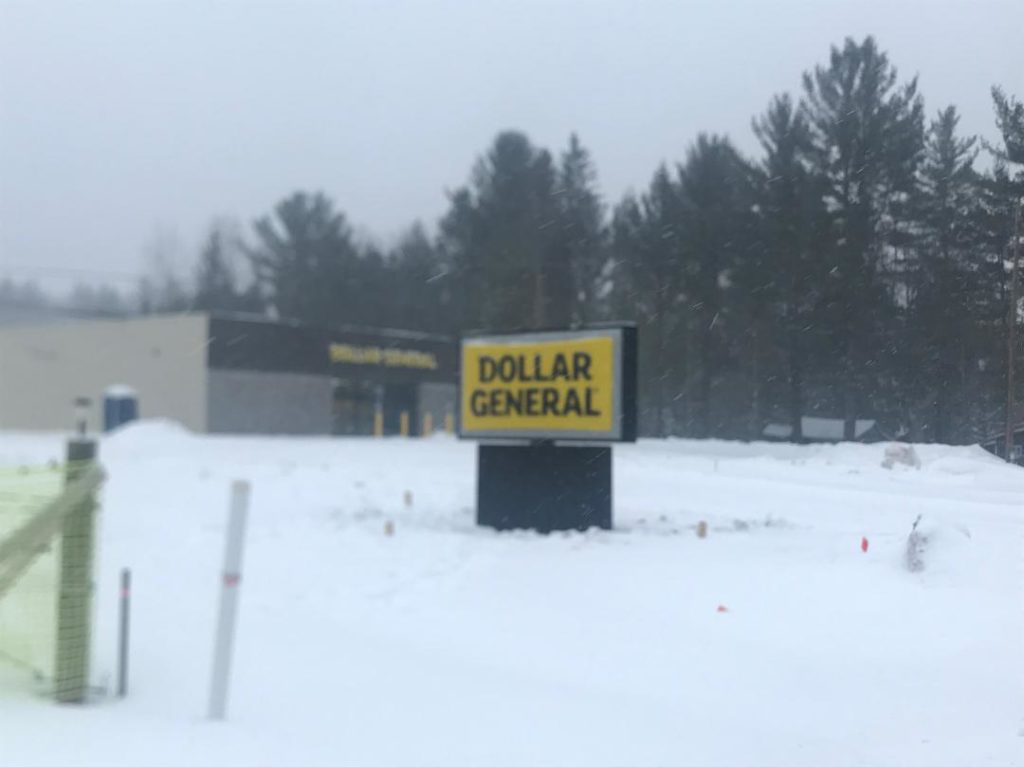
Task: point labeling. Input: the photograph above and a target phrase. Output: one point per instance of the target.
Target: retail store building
(230, 374)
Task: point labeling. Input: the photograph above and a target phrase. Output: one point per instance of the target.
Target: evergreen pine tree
(647, 278)
(940, 302)
(216, 282)
(867, 138)
(307, 262)
(716, 200)
(500, 238)
(581, 231)
(418, 294)
(792, 223)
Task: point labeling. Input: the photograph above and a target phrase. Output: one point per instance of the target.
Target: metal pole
(1011, 352)
(122, 648)
(230, 582)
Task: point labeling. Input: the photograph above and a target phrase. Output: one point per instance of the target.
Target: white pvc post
(231, 580)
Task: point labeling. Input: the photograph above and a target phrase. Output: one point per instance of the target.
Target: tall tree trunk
(941, 396)
(538, 299)
(966, 424)
(849, 395)
(849, 372)
(706, 377)
(682, 379)
(754, 429)
(659, 381)
(796, 393)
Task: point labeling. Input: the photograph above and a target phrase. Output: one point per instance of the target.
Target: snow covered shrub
(900, 453)
(916, 543)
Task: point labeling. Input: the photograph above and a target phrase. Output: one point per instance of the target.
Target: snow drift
(378, 625)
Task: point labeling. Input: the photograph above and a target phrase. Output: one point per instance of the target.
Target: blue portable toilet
(120, 406)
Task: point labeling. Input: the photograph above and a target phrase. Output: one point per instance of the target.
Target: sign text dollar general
(541, 385)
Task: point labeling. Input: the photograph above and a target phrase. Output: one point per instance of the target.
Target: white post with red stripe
(231, 580)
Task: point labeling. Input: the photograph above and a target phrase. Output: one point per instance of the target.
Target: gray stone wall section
(251, 402)
(437, 399)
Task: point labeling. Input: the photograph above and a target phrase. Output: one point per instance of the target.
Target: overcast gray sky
(126, 123)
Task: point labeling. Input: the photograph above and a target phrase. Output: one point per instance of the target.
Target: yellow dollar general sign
(559, 384)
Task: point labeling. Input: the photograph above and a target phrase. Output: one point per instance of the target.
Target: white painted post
(230, 582)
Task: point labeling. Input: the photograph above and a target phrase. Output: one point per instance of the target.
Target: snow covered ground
(445, 644)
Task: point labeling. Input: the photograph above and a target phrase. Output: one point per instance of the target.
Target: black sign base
(544, 487)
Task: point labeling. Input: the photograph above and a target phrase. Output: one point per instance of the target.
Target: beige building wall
(42, 370)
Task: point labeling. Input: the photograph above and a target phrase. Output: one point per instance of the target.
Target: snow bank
(147, 434)
(120, 390)
(445, 644)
